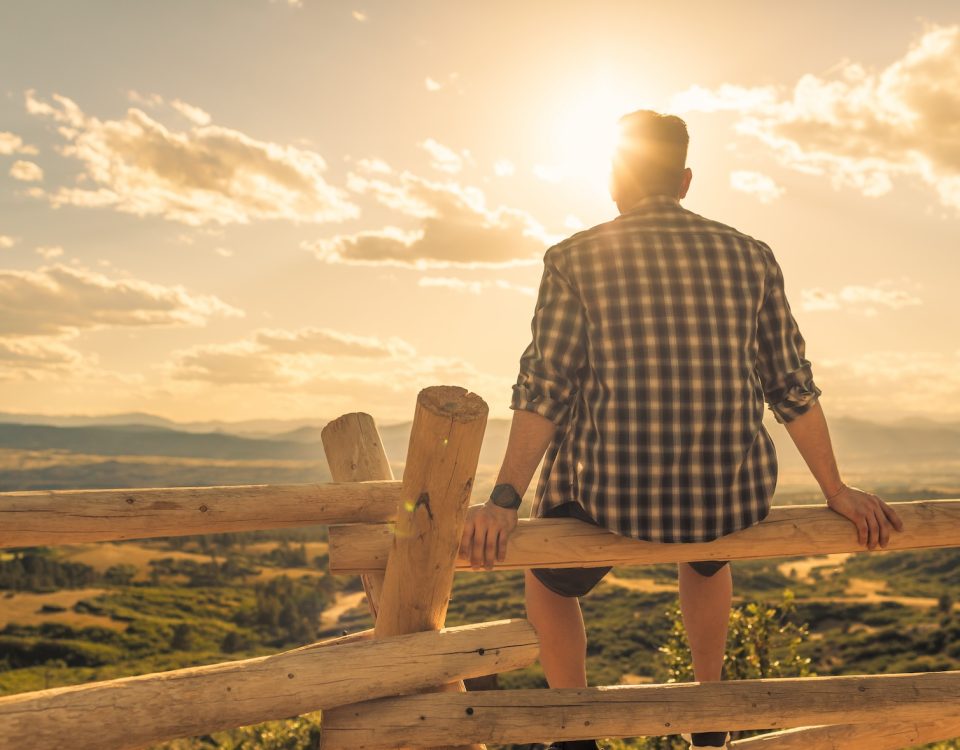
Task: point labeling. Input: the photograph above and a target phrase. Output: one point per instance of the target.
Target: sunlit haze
(248, 209)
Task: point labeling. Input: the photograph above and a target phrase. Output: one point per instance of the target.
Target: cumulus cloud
(206, 175)
(346, 371)
(35, 353)
(442, 158)
(433, 85)
(13, 144)
(196, 115)
(7, 241)
(60, 300)
(893, 382)
(757, 184)
(294, 358)
(474, 287)
(456, 228)
(504, 168)
(862, 127)
(26, 171)
(359, 15)
(49, 252)
(866, 300)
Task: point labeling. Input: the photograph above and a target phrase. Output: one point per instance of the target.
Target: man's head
(650, 158)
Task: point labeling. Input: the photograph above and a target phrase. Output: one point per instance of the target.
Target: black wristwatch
(505, 496)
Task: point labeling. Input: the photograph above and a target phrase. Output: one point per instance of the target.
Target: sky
(245, 209)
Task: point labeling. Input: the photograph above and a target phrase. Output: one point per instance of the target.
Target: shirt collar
(652, 203)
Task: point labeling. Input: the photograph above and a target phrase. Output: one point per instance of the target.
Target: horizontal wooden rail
(568, 543)
(54, 517)
(136, 711)
(527, 716)
(881, 735)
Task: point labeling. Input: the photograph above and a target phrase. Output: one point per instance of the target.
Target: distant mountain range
(134, 434)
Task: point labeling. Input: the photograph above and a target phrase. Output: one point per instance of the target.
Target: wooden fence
(401, 684)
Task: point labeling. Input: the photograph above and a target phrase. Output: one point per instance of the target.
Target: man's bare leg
(563, 639)
(705, 604)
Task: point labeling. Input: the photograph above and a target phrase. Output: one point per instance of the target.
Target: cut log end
(341, 422)
(453, 402)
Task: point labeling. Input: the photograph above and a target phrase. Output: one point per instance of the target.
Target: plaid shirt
(657, 337)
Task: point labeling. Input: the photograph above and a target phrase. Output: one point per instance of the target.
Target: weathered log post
(355, 453)
(438, 477)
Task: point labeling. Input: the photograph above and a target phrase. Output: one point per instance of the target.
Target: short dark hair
(651, 152)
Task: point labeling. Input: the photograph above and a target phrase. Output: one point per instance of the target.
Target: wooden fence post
(438, 477)
(355, 453)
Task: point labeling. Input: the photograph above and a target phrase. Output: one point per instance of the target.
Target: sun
(583, 134)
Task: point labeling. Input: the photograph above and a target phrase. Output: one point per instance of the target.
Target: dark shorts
(579, 581)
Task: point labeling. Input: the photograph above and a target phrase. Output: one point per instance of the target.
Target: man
(657, 337)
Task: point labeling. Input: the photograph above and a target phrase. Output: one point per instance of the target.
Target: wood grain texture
(873, 736)
(53, 517)
(355, 453)
(568, 543)
(445, 439)
(527, 716)
(139, 711)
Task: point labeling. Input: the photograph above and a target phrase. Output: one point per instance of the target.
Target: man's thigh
(570, 581)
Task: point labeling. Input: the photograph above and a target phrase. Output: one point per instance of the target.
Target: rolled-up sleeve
(550, 366)
(785, 374)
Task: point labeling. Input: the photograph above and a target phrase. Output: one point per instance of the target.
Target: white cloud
(757, 184)
(726, 98)
(196, 115)
(359, 15)
(26, 171)
(433, 85)
(456, 229)
(504, 168)
(13, 144)
(442, 158)
(37, 357)
(865, 300)
(223, 252)
(276, 356)
(548, 172)
(887, 382)
(49, 252)
(6, 241)
(352, 372)
(863, 128)
(59, 300)
(474, 287)
(209, 174)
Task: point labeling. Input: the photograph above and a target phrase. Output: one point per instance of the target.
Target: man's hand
(873, 518)
(485, 534)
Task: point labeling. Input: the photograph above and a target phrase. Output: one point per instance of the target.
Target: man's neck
(635, 202)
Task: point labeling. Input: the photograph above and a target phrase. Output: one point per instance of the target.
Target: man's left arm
(488, 526)
(550, 370)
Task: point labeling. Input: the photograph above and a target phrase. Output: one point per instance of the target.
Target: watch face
(505, 496)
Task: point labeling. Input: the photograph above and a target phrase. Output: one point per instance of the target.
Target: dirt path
(342, 604)
(804, 565)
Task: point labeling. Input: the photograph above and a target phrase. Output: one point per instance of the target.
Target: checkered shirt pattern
(657, 337)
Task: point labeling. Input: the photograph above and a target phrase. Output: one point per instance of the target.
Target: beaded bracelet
(842, 488)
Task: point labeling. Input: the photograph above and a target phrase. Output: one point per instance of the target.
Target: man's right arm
(788, 387)
(872, 516)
